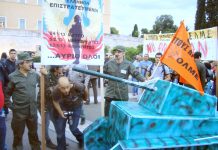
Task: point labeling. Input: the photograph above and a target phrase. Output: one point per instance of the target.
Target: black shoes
(50, 145)
(83, 120)
(81, 143)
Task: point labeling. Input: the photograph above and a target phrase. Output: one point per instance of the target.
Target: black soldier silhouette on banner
(76, 34)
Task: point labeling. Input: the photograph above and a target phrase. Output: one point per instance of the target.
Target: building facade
(21, 21)
(27, 14)
(21, 14)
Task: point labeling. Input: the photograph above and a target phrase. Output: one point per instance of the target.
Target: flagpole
(155, 70)
(102, 92)
(216, 63)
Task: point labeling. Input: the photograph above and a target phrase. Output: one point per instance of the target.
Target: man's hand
(62, 115)
(84, 101)
(43, 70)
(149, 78)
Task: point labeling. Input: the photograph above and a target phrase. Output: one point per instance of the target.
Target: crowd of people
(151, 70)
(64, 94)
(66, 91)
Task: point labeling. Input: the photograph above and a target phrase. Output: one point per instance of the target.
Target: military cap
(119, 48)
(23, 56)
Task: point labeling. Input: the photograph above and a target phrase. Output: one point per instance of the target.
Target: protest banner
(72, 32)
(204, 41)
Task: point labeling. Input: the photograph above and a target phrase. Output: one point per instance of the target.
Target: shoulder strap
(163, 69)
(128, 69)
(152, 67)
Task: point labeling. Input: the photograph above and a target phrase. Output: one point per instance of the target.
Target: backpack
(163, 69)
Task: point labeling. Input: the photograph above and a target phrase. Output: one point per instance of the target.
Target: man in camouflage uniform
(122, 68)
(22, 89)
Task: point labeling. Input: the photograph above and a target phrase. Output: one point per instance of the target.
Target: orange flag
(178, 56)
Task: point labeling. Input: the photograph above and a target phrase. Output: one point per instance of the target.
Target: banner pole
(42, 95)
(155, 69)
(102, 91)
(216, 78)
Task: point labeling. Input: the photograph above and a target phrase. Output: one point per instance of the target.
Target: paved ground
(92, 112)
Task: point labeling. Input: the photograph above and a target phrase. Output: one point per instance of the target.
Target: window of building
(2, 22)
(38, 48)
(22, 24)
(39, 2)
(39, 25)
(21, 1)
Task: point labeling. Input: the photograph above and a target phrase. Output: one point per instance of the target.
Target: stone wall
(113, 40)
(30, 40)
(21, 40)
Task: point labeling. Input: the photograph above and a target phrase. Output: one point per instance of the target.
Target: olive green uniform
(24, 107)
(202, 74)
(115, 90)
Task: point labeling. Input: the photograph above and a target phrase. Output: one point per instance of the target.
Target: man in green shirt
(201, 70)
(22, 90)
(122, 68)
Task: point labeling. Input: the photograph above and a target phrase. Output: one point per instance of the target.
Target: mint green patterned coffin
(173, 116)
(95, 135)
(174, 99)
(131, 121)
(179, 143)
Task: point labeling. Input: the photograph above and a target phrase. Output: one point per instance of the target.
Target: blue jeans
(134, 89)
(47, 123)
(2, 132)
(60, 125)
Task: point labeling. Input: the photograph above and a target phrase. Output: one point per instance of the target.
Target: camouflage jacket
(22, 90)
(123, 70)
